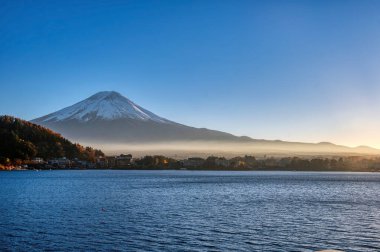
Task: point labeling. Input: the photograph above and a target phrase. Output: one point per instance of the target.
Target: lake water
(189, 211)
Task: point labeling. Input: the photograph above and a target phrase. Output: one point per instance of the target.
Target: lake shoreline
(184, 170)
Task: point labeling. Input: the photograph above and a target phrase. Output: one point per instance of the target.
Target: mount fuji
(110, 119)
(107, 105)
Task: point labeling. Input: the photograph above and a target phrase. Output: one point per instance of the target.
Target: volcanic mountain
(109, 119)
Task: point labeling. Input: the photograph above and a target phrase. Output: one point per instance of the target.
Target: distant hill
(24, 140)
(116, 124)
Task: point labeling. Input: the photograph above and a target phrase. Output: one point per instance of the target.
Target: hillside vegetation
(23, 140)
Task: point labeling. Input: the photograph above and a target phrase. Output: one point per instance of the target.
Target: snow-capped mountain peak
(106, 105)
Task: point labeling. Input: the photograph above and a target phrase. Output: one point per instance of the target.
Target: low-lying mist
(229, 149)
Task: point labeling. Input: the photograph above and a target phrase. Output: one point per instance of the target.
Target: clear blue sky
(291, 70)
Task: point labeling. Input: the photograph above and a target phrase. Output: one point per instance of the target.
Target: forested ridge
(22, 140)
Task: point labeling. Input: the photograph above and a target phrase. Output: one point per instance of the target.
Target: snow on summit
(106, 105)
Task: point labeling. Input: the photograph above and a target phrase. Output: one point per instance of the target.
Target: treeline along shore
(24, 145)
(244, 163)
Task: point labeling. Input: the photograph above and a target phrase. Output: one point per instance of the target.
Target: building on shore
(37, 160)
(222, 162)
(60, 163)
(102, 163)
(123, 161)
(193, 162)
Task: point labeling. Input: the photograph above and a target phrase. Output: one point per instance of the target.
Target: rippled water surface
(186, 210)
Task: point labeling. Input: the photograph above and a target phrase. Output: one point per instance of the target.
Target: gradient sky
(290, 70)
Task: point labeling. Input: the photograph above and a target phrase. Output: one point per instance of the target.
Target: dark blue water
(184, 210)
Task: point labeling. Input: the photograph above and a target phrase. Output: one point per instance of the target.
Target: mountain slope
(108, 118)
(24, 140)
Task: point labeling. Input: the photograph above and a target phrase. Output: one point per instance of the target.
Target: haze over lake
(189, 210)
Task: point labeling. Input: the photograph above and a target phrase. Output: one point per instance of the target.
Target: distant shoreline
(184, 170)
